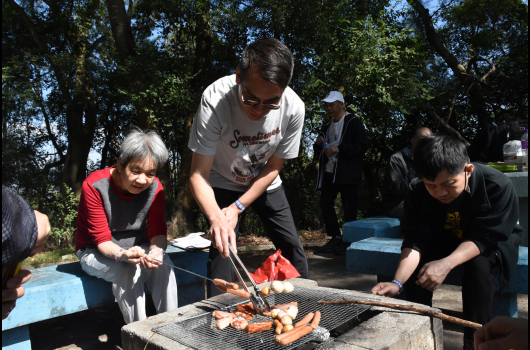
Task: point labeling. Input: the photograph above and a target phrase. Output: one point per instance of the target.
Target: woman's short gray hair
(140, 144)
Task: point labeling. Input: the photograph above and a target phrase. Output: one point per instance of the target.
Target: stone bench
(380, 256)
(378, 226)
(64, 289)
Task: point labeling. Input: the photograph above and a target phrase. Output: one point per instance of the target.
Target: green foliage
(62, 213)
(52, 256)
(67, 89)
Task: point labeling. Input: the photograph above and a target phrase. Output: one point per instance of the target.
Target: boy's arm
(408, 262)
(433, 274)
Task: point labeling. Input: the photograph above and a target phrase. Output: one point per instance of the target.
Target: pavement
(99, 328)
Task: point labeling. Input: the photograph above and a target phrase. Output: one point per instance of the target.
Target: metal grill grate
(200, 332)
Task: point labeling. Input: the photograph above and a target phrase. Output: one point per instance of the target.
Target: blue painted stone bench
(64, 289)
(378, 226)
(380, 256)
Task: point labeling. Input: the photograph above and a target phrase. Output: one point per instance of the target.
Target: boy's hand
(387, 289)
(433, 274)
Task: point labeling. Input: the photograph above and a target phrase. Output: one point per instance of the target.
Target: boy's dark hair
(434, 154)
(274, 60)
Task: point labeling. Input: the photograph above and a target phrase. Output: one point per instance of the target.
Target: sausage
(240, 293)
(304, 321)
(279, 328)
(222, 285)
(284, 307)
(294, 335)
(259, 327)
(275, 323)
(316, 320)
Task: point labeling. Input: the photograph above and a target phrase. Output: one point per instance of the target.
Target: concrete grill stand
(384, 329)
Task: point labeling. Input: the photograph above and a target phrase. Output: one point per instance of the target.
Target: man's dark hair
(434, 154)
(274, 60)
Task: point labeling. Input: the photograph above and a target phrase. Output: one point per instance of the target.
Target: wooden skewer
(413, 308)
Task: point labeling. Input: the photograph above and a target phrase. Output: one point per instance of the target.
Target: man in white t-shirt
(245, 128)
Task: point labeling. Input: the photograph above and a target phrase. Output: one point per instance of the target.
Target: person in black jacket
(24, 233)
(340, 167)
(399, 175)
(459, 214)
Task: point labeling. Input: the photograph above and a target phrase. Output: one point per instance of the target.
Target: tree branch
(63, 86)
(48, 127)
(412, 308)
(95, 44)
(436, 41)
(445, 127)
(453, 103)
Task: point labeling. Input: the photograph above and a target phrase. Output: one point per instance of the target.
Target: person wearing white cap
(340, 149)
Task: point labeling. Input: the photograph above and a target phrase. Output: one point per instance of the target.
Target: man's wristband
(240, 205)
(399, 285)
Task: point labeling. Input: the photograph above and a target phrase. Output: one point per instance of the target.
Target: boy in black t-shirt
(458, 214)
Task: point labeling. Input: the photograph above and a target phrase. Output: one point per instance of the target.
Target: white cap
(333, 96)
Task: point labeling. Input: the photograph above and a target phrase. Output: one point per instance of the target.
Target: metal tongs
(259, 302)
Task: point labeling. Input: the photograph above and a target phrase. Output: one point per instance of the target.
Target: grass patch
(51, 257)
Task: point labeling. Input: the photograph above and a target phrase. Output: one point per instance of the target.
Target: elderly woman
(121, 233)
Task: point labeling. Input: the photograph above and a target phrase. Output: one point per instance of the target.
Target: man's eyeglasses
(256, 103)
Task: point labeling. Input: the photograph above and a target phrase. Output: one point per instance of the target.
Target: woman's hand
(152, 261)
(132, 255)
(13, 291)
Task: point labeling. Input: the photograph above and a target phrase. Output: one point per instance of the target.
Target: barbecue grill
(200, 332)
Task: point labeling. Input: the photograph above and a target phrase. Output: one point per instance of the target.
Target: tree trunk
(82, 105)
(80, 134)
(184, 202)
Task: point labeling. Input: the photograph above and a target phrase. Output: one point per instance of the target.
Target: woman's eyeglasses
(256, 103)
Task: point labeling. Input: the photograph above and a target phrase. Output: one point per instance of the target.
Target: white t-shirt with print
(334, 133)
(242, 146)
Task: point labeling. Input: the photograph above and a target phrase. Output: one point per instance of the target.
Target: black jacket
(489, 216)
(353, 145)
(399, 174)
(19, 228)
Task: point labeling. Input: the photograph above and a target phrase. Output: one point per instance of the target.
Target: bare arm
(259, 185)
(43, 225)
(220, 229)
(132, 255)
(408, 262)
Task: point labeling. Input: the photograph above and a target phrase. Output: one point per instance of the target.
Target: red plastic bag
(275, 268)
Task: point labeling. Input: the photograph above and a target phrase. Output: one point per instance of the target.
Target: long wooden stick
(413, 308)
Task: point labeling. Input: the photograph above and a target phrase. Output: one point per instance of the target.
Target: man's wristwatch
(399, 285)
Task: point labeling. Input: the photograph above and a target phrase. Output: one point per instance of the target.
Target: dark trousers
(275, 215)
(477, 284)
(328, 194)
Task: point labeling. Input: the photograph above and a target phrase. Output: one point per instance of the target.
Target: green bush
(62, 212)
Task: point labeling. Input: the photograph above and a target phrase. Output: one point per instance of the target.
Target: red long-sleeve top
(103, 211)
